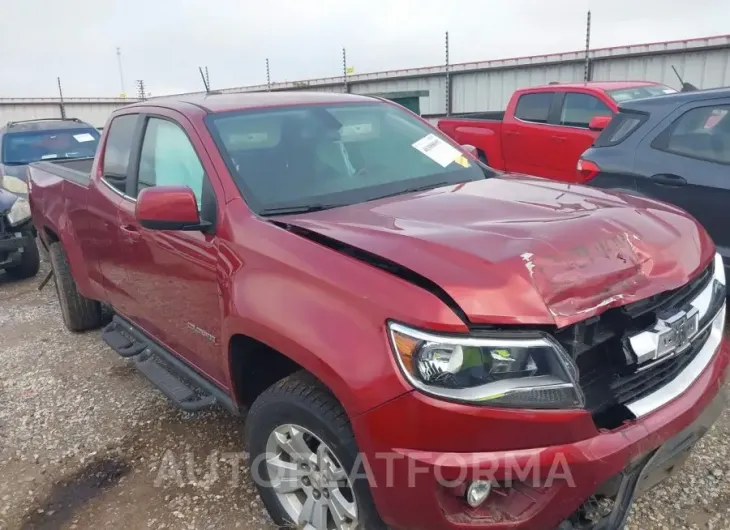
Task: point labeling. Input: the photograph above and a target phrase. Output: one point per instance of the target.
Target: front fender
(337, 339)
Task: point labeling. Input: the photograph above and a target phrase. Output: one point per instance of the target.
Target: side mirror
(169, 208)
(470, 149)
(598, 123)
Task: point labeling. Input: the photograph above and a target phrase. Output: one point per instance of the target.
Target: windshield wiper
(413, 190)
(304, 208)
(63, 157)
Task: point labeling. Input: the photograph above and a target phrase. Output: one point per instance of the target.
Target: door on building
(412, 103)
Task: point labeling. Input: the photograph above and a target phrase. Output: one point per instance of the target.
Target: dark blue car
(22, 143)
(675, 148)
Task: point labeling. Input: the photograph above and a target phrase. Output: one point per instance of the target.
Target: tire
(302, 400)
(482, 157)
(79, 313)
(29, 265)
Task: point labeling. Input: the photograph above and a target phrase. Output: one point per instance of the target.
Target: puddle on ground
(72, 493)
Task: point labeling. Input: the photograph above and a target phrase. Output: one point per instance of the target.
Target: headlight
(719, 268)
(532, 372)
(19, 212)
(14, 184)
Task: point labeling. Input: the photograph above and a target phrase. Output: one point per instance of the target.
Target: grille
(635, 386)
(608, 372)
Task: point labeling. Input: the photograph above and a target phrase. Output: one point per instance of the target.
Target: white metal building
(474, 87)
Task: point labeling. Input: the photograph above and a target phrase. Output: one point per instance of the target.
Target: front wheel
(30, 262)
(304, 459)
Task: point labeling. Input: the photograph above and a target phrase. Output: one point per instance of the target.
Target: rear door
(685, 160)
(570, 136)
(106, 239)
(526, 137)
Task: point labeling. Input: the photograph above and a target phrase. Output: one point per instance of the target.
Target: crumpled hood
(6, 200)
(521, 250)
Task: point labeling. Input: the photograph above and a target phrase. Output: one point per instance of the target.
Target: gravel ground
(86, 442)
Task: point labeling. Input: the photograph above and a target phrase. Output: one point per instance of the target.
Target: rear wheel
(304, 459)
(79, 313)
(30, 262)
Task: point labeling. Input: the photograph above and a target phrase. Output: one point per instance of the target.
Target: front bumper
(13, 243)
(548, 485)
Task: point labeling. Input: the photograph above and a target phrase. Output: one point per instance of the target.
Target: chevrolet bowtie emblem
(670, 336)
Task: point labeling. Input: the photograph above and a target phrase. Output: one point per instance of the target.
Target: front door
(172, 275)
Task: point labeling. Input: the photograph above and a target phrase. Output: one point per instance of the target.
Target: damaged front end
(626, 354)
(16, 231)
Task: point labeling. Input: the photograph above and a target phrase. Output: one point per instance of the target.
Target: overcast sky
(164, 41)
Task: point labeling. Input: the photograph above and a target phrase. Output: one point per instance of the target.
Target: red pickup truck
(419, 341)
(545, 129)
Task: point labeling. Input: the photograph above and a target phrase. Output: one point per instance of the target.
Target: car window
(118, 149)
(31, 146)
(579, 109)
(169, 159)
(620, 95)
(534, 107)
(309, 155)
(703, 133)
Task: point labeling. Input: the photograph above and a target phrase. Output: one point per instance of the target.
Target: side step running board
(184, 396)
(119, 341)
(173, 377)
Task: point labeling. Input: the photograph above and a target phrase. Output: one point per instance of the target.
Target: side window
(169, 159)
(579, 109)
(703, 133)
(117, 150)
(534, 107)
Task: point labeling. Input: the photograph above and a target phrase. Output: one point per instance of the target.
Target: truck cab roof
(597, 85)
(228, 102)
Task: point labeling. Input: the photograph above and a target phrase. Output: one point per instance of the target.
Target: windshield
(31, 146)
(627, 94)
(320, 156)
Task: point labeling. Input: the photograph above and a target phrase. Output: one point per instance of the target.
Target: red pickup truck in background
(420, 341)
(545, 129)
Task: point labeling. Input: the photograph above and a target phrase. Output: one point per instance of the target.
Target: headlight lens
(19, 212)
(530, 372)
(14, 184)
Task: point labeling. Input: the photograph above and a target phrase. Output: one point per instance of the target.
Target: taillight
(586, 170)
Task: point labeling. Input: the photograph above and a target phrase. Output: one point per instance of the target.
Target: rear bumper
(548, 483)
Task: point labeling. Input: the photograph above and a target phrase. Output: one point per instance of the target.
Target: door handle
(669, 180)
(512, 133)
(131, 231)
(560, 138)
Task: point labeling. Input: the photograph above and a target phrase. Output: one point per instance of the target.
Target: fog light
(478, 492)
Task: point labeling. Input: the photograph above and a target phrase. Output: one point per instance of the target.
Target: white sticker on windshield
(84, 137)
(437, 150)
(48, 157)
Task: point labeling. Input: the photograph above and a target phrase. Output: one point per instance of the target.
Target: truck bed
(77, 170)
